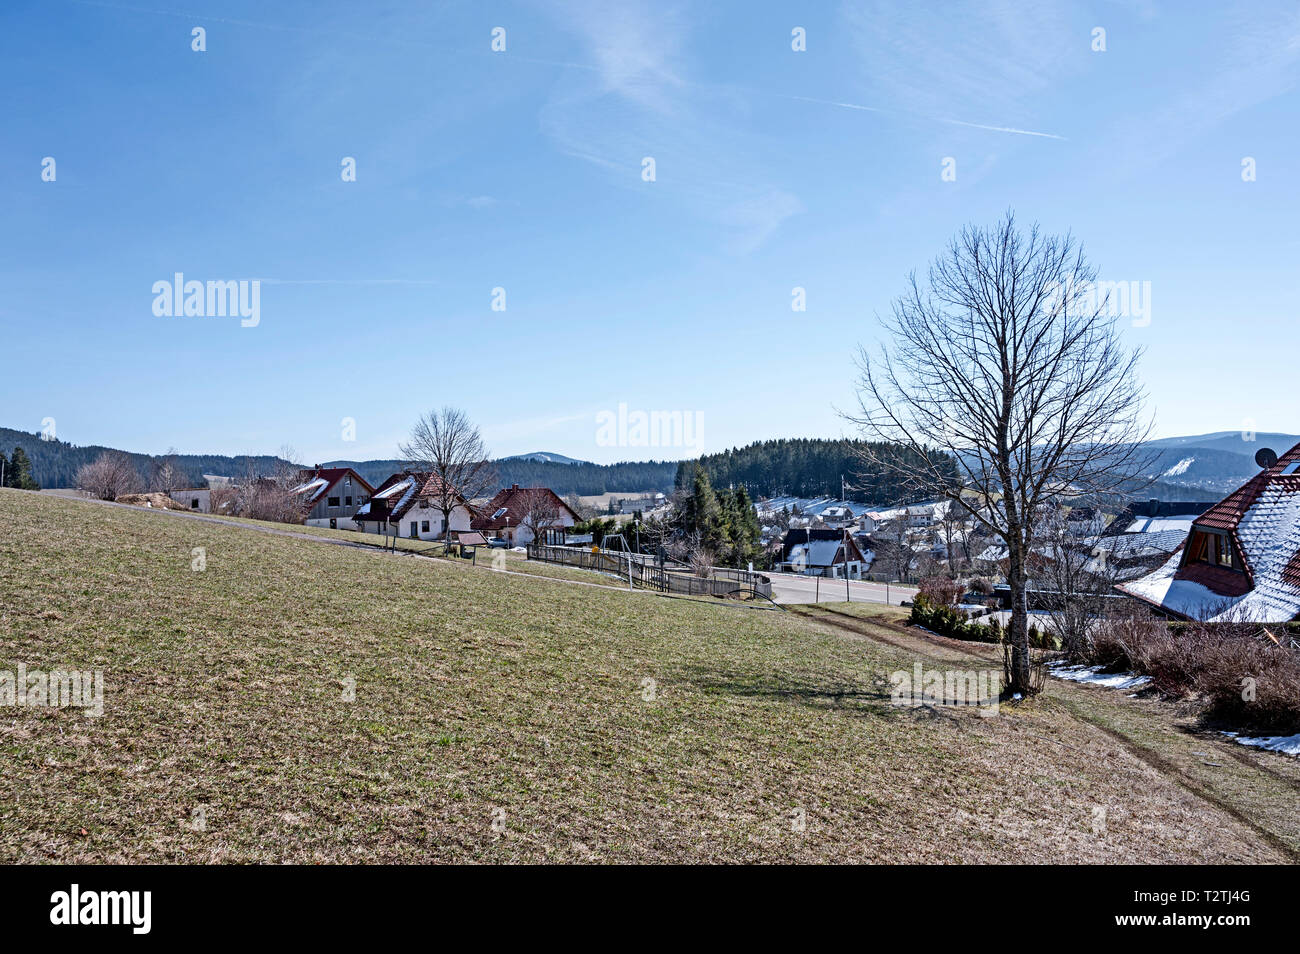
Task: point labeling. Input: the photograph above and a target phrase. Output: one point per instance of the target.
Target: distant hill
(1197, 467)
(55, 463)
(805, 467)
(1217, 463)
(546, 457)
(577, 477)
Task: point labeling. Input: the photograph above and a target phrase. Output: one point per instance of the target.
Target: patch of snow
(1179, 468)
(1282, 744)
(1094, 676)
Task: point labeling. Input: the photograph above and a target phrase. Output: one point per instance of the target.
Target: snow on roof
(1157, 524)
(396, 488)
(815, 553)
(1128, 545)
(313, 487)
(1263, 517)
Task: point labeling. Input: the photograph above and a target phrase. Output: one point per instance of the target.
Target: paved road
(793, 588)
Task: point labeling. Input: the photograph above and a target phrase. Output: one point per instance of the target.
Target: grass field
(500, 718)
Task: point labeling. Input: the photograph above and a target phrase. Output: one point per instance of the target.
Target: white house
(331, 495)
(516, 513)
(406, 505)
(198, 499)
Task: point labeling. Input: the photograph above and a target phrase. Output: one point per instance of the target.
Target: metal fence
(642, 571)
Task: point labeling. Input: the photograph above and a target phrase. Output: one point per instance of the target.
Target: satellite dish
(1265, 457)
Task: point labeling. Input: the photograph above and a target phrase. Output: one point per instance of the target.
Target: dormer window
(1214, 548)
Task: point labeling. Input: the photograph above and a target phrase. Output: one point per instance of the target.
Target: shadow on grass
(809, 690)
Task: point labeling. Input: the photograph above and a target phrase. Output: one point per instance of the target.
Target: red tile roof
(1227, 513)
(331, 476)
(515, 501)
(1261, 519)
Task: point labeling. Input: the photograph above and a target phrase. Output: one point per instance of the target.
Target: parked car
(498, 543)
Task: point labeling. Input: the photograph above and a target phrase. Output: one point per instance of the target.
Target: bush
(1243, 678)
(939, 591)
(947, 621)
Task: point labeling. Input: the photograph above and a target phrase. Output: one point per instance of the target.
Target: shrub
(939, 591)
(1243, 677)
(950, 622)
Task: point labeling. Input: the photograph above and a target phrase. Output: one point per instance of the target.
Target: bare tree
(271, 496)
(448, 446)
(699, 557)
(1007, 384)
(893, 556)
(1077, 588)
(577, 506)
(108, 476)
(952, 525)
(541, 511)
(165, 476)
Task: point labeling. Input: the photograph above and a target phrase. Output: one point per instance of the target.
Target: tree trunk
(1018, 674)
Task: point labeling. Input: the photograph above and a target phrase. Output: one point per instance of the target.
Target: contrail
(406, 41)
(934, 119)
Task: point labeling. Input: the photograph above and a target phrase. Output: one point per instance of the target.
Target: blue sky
(523, 170)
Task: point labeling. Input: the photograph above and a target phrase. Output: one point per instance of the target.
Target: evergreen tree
(701, 514)
(5, 470)
(745, 531)
(22, 471)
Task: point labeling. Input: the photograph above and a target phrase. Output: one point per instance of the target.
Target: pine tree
(745, 531)
(701, 514)
(22, 471)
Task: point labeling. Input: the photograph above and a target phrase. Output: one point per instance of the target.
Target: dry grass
(487, 698)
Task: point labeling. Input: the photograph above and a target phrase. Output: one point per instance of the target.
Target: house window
(347, 501)
(332, 502)
(194, 503)
(424, 505)
(424, 526)
(334, 523)
(1214, 549)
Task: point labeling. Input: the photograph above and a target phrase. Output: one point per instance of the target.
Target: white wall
(186, 498)
(460, 520)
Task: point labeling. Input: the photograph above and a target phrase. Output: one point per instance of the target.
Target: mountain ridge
(1211, 464)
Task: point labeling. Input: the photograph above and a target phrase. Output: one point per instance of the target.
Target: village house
(198, 499)
(406, 505)
(822, 552)
(921, 515)
(517, 513)
(837, 517)
(1085, 521)
(1240, 560)
(331, 496)
(1142, 537)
